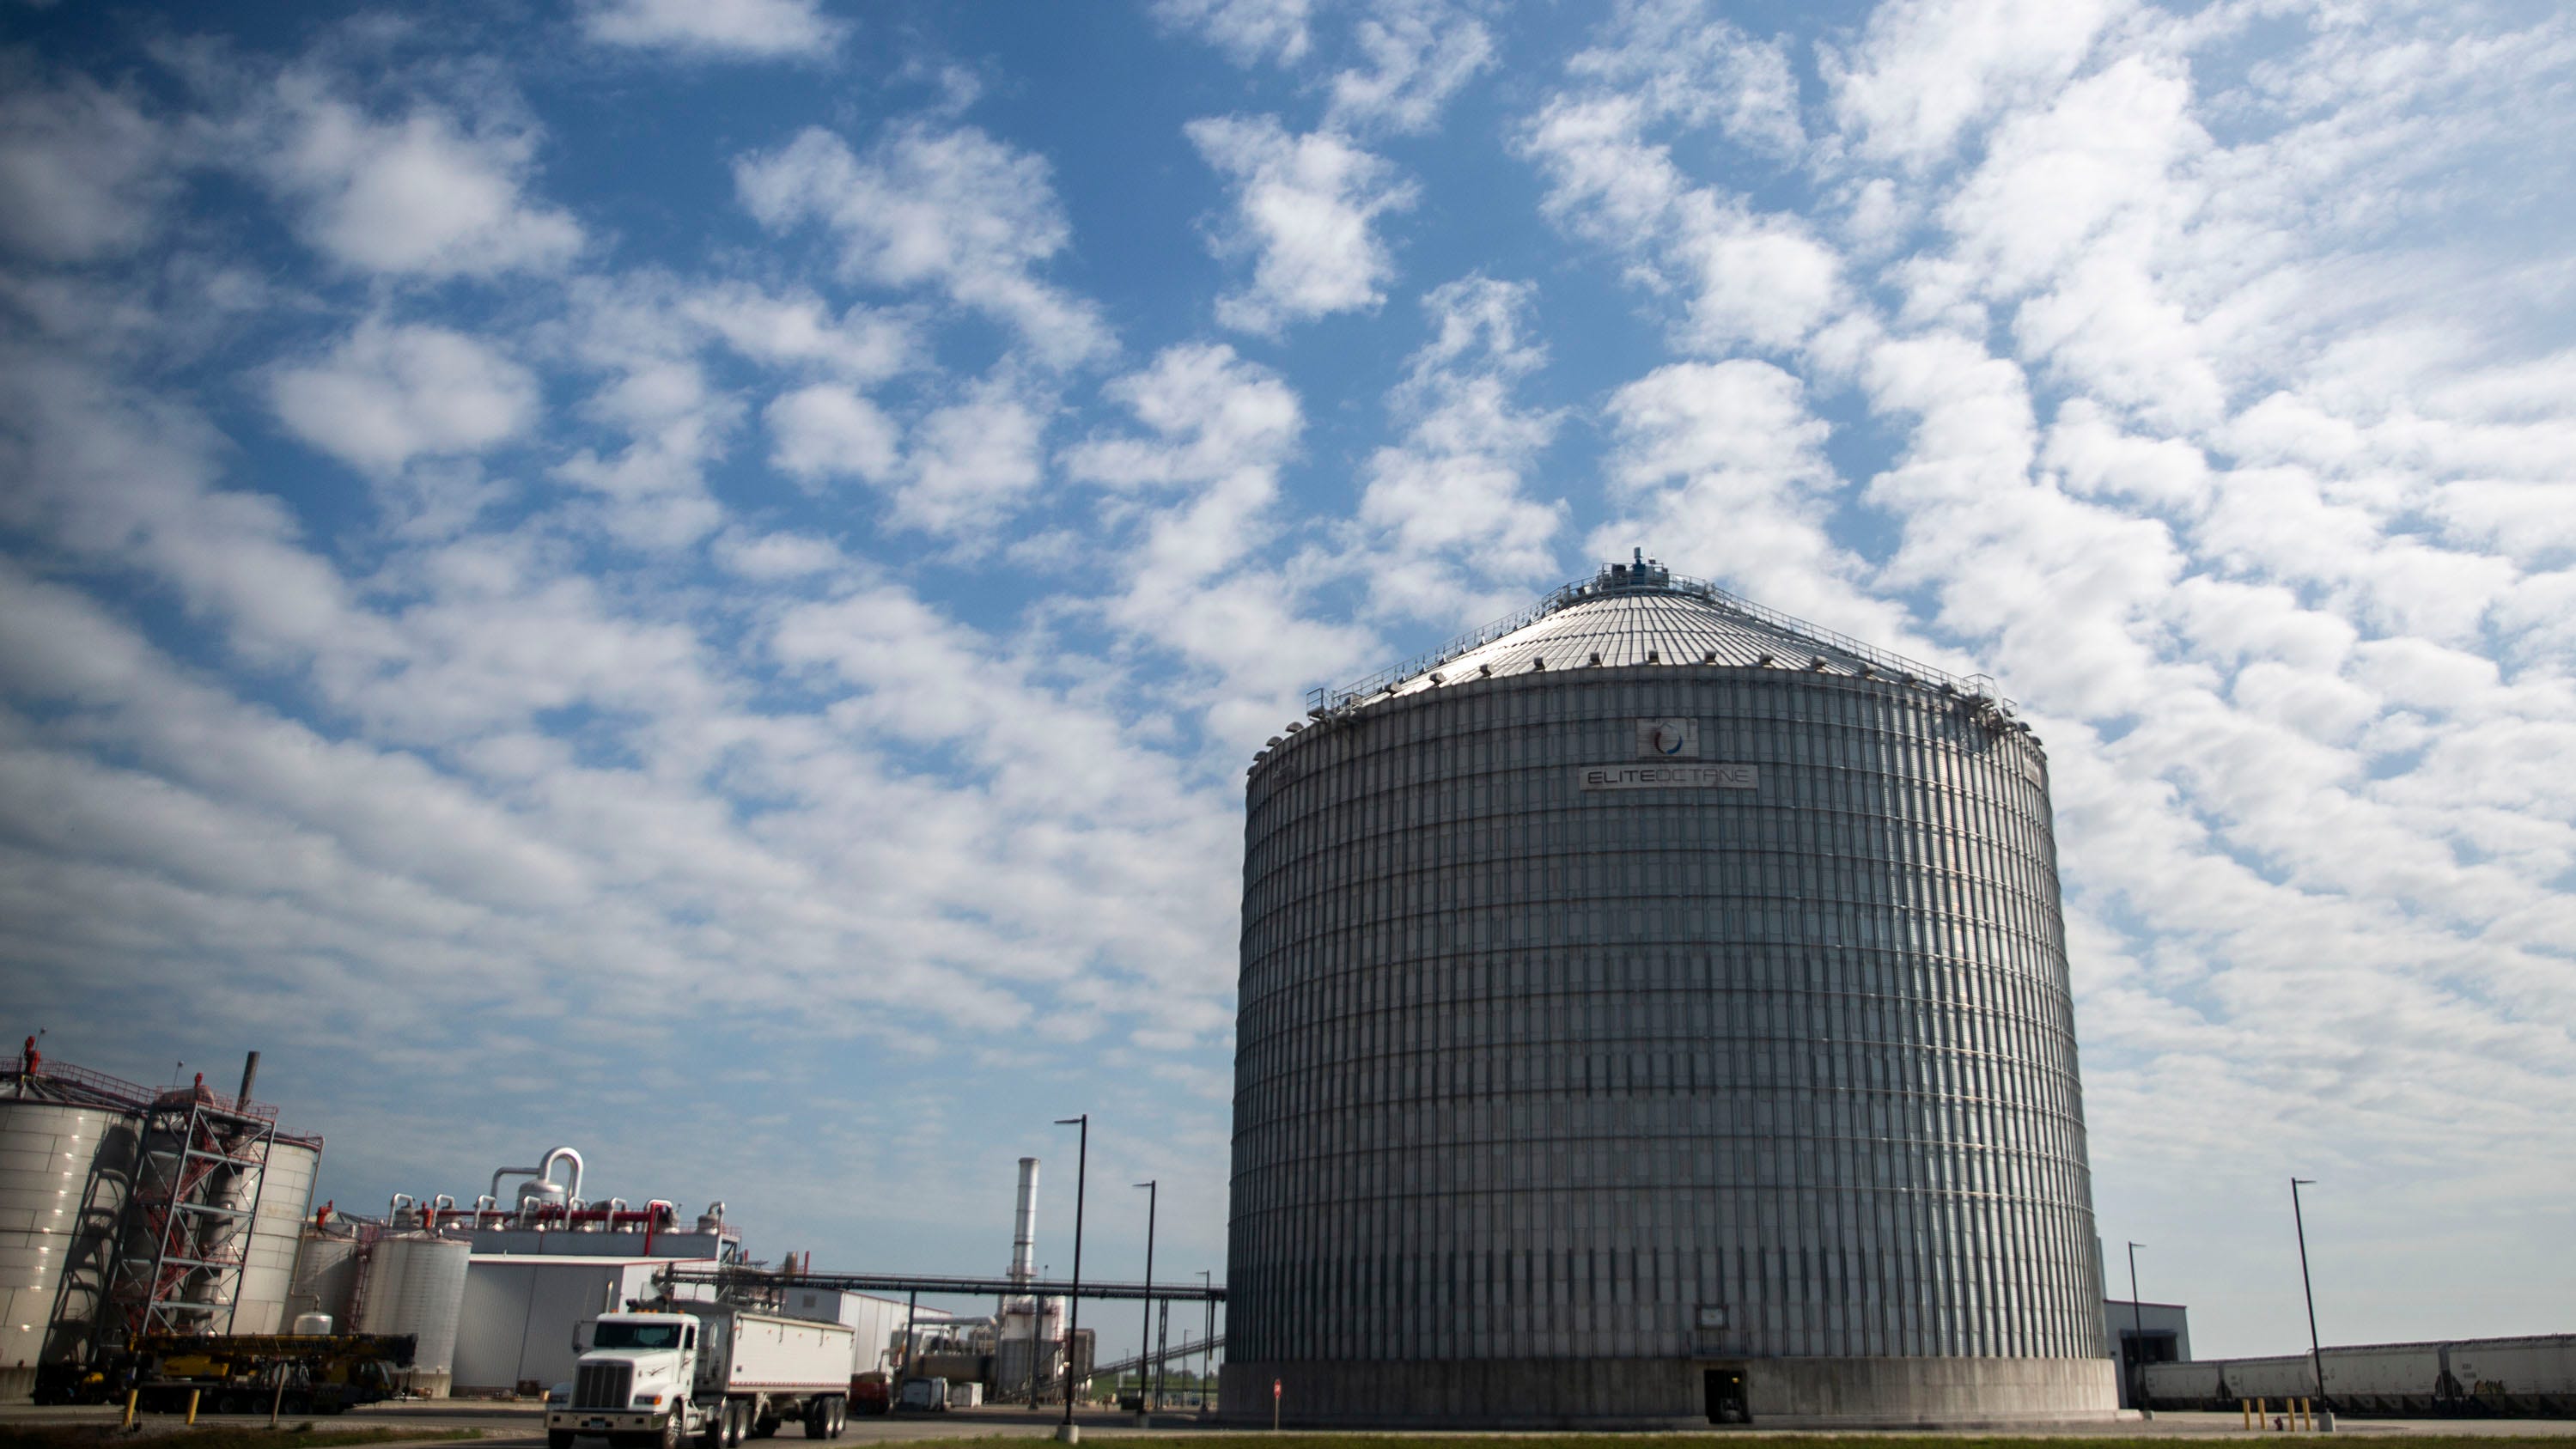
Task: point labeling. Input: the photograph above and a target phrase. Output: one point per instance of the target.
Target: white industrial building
(515, 1282)
(523, 1311)
(533, 1273)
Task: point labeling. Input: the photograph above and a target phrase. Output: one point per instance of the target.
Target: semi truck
(705, 1371)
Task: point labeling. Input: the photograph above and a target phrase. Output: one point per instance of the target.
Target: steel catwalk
(1680, 1036)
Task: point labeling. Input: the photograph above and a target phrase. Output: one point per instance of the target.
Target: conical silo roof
(1641, 613)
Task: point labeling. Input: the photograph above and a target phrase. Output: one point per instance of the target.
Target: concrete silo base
(1673, 1393)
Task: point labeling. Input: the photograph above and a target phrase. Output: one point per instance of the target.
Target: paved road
(509, 1425)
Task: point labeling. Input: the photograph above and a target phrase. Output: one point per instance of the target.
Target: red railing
(120, 1093)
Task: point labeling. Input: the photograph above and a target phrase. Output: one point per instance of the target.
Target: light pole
(1073, 1328)
(2137, 1336)
(1207, 1285)
(2316, 1355)
(1145, 1334)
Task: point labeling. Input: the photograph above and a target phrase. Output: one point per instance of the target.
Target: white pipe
(546, 1169)
(543, 1171)
(444, 1203)
(1024, 1236)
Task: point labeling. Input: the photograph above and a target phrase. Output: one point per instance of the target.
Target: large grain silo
(1654, 1009)
(67, 1161)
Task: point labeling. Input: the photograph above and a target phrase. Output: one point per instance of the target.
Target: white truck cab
(708, 1371)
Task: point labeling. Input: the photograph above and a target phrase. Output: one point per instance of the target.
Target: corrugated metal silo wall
(1532, 1072)
(65, 1171)
(276, 1230)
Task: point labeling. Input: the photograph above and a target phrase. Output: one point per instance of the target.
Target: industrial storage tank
(66, 1166)
(415, 1283)
(1655, 1010)
(327, 1265)
(276, 1231)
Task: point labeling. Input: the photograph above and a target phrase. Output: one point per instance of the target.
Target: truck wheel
(713, 1435)
(737, 1425)
(818, 1419)
(675, 1429)
(840, 1415)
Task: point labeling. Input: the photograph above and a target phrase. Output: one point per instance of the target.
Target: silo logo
(1669, 777)
(1668, 739)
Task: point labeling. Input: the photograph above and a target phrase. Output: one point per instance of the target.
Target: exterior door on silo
(1726, 1404)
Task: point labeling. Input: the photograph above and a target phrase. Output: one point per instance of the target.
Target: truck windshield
(637, 1335)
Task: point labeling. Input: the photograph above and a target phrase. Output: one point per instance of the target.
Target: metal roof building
(1655, 1010)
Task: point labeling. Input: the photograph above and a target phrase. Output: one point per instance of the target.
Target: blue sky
(698, 579)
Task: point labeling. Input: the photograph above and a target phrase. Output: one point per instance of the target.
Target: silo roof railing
(93, 1088)
(1620, 580)
(80, 1086)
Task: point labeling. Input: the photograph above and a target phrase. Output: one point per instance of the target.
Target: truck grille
(602, 1385)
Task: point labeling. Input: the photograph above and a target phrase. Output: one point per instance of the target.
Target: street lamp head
(1073, 1121)
(1149, 1184)
(2303, 1182)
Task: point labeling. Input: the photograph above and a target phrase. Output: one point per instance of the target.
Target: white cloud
(972, 461)
(1760, 281)
(776, 557)
(421, 194)
(1746, 278)
(1456, 539)
(1417, 55)
(1721, 468)
(115, 479)
(1214, 417)
(951, 208)
(726, 28)
(860, 345)
(1304, 205)
(653, 394)
(84, 173)
(389, 393)
(1218, 430)
(1925, 71)
(1246, 30)
(1679, 61)
(828, 431)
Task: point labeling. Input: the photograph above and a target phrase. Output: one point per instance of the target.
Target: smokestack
(1024, 1231)
(250, 1074)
